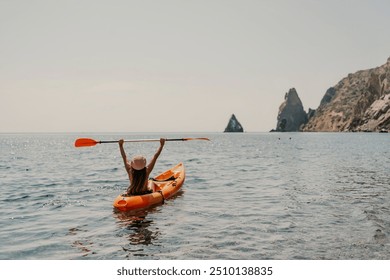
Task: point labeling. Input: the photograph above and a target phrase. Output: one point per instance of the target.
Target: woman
(138, 171)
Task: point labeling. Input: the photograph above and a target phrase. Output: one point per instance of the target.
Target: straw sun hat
(138, 162)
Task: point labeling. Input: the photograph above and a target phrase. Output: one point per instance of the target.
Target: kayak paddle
(88, 142)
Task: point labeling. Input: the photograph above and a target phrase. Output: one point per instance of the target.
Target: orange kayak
(166, 184)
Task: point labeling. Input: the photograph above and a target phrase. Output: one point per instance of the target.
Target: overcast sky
(176, 65)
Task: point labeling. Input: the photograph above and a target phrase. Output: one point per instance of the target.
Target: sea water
(246, 196)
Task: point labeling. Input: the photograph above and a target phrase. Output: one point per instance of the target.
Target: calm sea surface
(246, 196)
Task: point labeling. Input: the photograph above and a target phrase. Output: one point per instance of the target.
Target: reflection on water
(138, 229)
(84, 246)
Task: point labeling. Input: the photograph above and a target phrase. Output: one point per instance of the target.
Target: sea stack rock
(291, 116)
(234, 125)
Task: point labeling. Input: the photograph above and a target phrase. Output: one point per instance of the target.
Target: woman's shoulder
(128, 166)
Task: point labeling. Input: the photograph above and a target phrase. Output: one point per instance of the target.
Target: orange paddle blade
(85, 142)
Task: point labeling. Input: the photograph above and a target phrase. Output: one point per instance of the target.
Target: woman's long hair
(137, 185)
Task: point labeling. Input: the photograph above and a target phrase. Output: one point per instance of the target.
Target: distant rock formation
(359, 102)
(234, 125)
(291, 114)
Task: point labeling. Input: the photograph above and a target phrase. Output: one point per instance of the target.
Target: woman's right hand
(162, 142)
(121, 141)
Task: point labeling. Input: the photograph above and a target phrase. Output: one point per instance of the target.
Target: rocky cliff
(234, 125)
(291, 114)
(359, 102)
